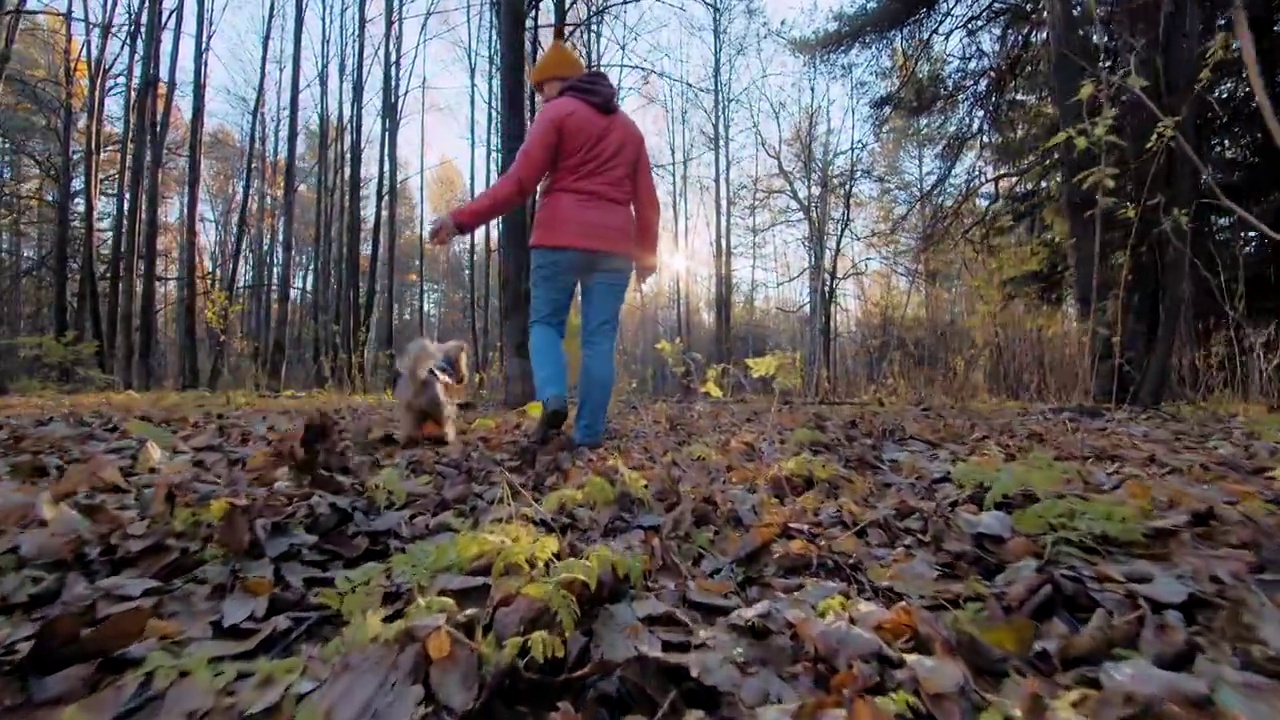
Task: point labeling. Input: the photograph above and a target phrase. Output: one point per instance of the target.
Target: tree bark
(143, 104)
(188, 348)
(513, 240)
(220, 328)
(148, 322)
(351, 323)
(280, 336)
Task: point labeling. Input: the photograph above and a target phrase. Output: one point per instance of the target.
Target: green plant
(783, 367)
(832, 607)
(1039, 473)
(387, 488)
(633, 482)
(809, 466)
(595, 492)
(1082, 519)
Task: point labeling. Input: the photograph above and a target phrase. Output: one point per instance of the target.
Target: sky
(236, 53)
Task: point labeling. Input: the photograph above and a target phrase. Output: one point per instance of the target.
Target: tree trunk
(513, 241)
(351, 325)
(143, 104)
(473, 60)
(148, 321)
(265, 275)
(95, 102)
(486, 348)
(1066, 43)
(10, 20)
(379, 193)
(1179, 44)
(280, 335)
(220, 328)
(393, 200)
(188, 348)
(320, 232)
(123, 172)
(62, 223)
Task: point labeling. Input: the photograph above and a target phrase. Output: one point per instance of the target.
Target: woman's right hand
(442, 230)
(644, 271)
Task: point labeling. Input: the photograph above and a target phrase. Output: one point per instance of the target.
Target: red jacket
(599, 192)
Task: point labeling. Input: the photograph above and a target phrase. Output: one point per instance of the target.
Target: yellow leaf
(158, 629)
(711, 388)
(1013, 635)
(438, 644)
(218, 508)
(484, 424)
(257, 586)
(534, 409)
(1138, 492)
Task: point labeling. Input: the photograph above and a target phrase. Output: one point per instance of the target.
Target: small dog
(432, 380)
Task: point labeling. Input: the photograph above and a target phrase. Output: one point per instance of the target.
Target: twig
(665, 705)
(1190, 152)
(309, 619)
(1249, 53)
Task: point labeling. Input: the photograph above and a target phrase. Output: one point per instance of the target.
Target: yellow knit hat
(557, 62)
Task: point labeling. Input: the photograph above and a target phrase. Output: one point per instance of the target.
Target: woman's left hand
(442, 230)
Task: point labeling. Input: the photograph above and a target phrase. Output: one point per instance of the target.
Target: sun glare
(675, 263)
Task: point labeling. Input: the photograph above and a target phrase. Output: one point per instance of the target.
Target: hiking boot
(555, 411)
(593, 445)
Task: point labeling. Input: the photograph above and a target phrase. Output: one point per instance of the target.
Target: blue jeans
(554, 275)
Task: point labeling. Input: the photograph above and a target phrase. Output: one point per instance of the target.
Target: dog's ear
(454, 354)
(407, 360)
(455, 351)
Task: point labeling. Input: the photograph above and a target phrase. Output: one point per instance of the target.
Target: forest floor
(183, 556)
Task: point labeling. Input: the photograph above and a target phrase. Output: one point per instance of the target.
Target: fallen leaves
(285, 558)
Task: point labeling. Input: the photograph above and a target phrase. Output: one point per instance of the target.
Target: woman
(596, 220)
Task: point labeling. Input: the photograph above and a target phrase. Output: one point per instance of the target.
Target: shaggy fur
(432, 380)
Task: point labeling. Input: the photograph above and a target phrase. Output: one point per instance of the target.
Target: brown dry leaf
(455, 678)
(937, 674)
(261, 461)
(155, 559)
(65, 686)
(837, 642)
(1139, 678)
(759, 538)
(17, 504)
(97, 472)
(116, 632)
(158, 629)
(438, 643)
(365, 680)
(106, 703)
(44, 544)
(1017, 549)
(853, 681)
(565, 711)
(257, 694)
(240, 606)
(864, 708)
(230, 648)
(233, 530)
(897, 626)
(188, 696)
